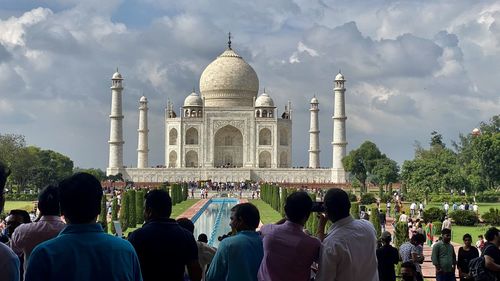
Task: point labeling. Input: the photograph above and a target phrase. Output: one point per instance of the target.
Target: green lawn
(457, 232)
(176, 211)
(23, 205)
(267, 214)
(483, 207)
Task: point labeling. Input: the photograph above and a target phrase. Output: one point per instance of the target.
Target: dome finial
(229, 42)
(264, 90)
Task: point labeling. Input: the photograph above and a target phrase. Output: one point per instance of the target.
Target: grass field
(457, 232)
(267, 214)
(23, 205)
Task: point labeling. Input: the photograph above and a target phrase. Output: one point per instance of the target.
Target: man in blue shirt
(82, 251)
(238, 257)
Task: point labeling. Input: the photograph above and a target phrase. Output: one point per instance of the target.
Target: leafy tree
(385, 172)
(103, 220)
(114, 214)
(124, 210)
(98, 173)
(437, 140)
(139, 206)
(10, 144)
(375, 220)
(132, 212)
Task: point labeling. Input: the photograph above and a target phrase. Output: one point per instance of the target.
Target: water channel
(213, 219)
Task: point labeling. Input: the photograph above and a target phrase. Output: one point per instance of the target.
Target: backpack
(479, 271)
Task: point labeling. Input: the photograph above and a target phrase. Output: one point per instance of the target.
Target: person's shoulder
(491, 250)
(6, 252)
(116, 241)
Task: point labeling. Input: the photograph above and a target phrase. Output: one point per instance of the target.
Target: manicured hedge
(464, 217)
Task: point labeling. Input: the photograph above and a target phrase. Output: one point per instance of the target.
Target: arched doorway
(172, 159)
(284, 160)
(192, 136)
(265, 159)
(265, 137)
(172, 137)
(192, 159)
(228, 147)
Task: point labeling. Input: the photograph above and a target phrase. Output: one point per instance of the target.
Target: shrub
(124, 209)
(376, 221)
(488, 196)
(492, 217)
(355, 210)
(434, 214)
(401, 233)
(367, 199)
(436, 229)
(464, 217)
(385, 197)
(139, 206)
(103, 220)
(132, 212)
(352, 197)
(114, 214)
(21, 197)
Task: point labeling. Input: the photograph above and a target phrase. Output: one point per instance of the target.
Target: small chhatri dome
(314, 100)
(476, 132)
(264, 100)
(339, 77)
(143, 99)
(193, 100)
(229, 81)
(117, 75)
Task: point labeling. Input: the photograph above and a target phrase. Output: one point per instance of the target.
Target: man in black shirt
(491, 252)
(387, 257)
(164, 248)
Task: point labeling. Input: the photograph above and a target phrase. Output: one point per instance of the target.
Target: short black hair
(491, 233)
(203, 238)
(48, 201)
(248, 213)
(337, 204)
(467, 235)
(159, 203)
(445, 231)
(418, 237)
(21, 213)
(80, 198)
(298, 206)
(186, 224)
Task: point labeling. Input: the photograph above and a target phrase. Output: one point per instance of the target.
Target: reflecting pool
(213, 219)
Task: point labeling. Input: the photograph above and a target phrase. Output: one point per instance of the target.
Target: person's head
(48, 201)
(480, 237)
(203, 238)
(492, 235)
(386, 237)
(186, 223)
(157, 204)
(80, 198)
(446, 234)
(408, 271)
(244, 216)
(4, 174)
(298, 207)
(417, 239)
(15, 219)
(337, 204)
(467, 238)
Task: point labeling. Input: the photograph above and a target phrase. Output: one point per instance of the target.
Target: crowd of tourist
(77, 248)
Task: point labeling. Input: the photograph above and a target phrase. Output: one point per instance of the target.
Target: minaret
(314, 135)
(116, 129)
(142, 144)
(339, 142)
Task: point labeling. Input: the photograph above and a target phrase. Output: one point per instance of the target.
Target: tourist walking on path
(492, 252)
(465, 254)
(9, 262)
(446, 223)
(444, 258)
(27, 236)
(238, 257)
(480, 243)
(403, 217)
(412, 251)
(429, 233)
(288, 251)
(413, 206)
(348, 251)
(387, 257)
(382, 219)
(82, 251)
(164, 248)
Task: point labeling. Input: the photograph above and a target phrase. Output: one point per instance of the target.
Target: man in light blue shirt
(238, 257)
(82, 251)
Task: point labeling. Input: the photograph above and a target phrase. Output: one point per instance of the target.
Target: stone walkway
(428, 270)
(189, 213)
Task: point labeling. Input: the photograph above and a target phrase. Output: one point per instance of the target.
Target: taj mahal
(228, 132)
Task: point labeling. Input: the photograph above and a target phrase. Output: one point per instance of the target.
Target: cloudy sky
(412, 67)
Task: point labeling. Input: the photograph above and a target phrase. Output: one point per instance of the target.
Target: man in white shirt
(348, 251)
(403, 217)
(475, 208)
(9, 262)
(446, 207)
(413, 206)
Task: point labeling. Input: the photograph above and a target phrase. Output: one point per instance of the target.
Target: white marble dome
(143, 99)
(193, 100)
(314, 100)
(117, 75)
(229, 81)
(264, 100)
(339, 77)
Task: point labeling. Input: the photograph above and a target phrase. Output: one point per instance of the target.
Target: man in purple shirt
(288, 251)
(27, 236)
